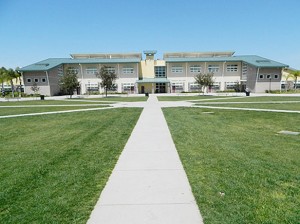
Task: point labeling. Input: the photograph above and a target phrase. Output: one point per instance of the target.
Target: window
(128, 70)
(261, 76)
(194, 87)
(195, 69)
(160, 71)
(232, 68)
(43, 80)
(29, 80)
(73, 70)
(111, 69)
(177, 69)
(91, 71)
(36, 80)
(128, 87)
(276, 76)
(213, 68)
(177, 87)
(268, 76)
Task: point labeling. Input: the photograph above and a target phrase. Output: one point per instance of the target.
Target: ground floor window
(177, 87)
(194, 87)
(230, 85)
(215, 86)
(92, 87)
(128, 87)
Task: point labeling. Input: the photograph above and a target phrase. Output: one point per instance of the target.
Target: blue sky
(34, 30)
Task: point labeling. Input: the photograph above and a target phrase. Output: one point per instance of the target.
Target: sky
(34, 30)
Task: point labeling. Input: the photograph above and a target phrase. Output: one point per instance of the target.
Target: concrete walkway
(148, 184)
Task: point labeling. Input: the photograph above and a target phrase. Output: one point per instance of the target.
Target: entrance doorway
(142, 89)
(160, 88)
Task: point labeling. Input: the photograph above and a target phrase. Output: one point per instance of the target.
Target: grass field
(274, 106)
(114, 98)
(53, 167)
(185, 98)
(240, 169)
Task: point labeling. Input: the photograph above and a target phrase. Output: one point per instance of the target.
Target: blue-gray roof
(50, 63)
(250, 59)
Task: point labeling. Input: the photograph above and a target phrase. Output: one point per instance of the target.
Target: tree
(204, 80)
(11, 75)
(35, 88)
(296, 75)
(107, 78)
(69, 81)
(3, 78)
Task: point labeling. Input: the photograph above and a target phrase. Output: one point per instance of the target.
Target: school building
(174, 73)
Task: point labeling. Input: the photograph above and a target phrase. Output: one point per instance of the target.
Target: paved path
(148, 184)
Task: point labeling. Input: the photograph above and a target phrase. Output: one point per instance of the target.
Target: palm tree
(3, 78)
(12, 74)
(296, 74)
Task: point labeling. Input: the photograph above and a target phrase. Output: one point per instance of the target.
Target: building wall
(41, 80)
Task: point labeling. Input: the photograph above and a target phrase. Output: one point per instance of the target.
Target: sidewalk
(148, 184)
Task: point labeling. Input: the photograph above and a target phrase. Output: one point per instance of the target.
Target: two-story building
(175, 73)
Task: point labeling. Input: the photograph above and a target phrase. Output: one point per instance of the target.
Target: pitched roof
(50, 63)
(255, 60)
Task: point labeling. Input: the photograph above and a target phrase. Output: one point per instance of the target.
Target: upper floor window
(128, 70)
(36, 80)
(91, 71)
(43, 80)
(73, 70)
(177, 69)
(213, 68)
(28, 80)
(268, 76)
(195, 69)
(276, 76)
(160, 71)
(232, 68)
(261, 76)
(111, 69)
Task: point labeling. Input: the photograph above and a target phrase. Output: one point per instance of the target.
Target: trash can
(42, 97)
(247, 93)
(147, 94)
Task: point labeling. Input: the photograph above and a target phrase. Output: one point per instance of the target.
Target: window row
(210, 68)
(36, 80)
(125, 70)
(268, 76)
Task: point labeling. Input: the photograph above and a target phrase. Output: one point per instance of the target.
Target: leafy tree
(204, 80)
(3, 78)
(35, 88)
(69, 81)
(107, 78)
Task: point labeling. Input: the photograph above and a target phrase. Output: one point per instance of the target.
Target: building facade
(175, 73)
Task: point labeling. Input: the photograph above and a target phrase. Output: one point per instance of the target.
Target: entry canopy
(154, 80)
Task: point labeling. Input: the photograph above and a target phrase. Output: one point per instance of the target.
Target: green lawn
(258, 99)
(114, 99)
(185, 98)
(275, 106)
(239, 153)
(28, 110)
(53, 167)
(47, 102)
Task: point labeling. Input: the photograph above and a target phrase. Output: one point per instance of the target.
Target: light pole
(270, 85)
